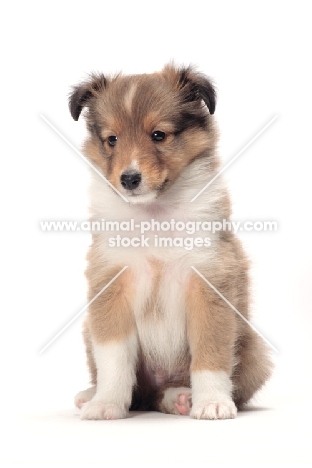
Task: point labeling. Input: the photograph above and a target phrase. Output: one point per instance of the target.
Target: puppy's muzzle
(130, 180)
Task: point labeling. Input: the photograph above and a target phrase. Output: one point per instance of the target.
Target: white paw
(177, 401)
(84, 396)
(225, 409)
(102, 410)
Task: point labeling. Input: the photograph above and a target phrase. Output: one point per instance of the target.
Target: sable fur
(179, 102)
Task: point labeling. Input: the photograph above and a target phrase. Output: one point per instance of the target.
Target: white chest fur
(159, 309)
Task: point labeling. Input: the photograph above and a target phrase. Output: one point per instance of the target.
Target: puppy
(159, 337)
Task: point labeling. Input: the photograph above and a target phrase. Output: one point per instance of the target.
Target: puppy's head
(145, 129)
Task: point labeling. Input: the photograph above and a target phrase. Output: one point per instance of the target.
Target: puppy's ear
(82, 94)
(194, 86)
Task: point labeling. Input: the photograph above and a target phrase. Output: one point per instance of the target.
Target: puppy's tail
(253, 369)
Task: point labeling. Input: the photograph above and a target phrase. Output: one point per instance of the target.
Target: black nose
(130, 180)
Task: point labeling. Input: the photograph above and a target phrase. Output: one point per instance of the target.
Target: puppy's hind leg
(87, 395)
(174, 398)
(84, 396)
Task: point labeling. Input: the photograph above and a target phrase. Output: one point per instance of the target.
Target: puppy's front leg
(114, 345)
(211, 329)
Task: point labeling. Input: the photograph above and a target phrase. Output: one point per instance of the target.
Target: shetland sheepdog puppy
(159, 337)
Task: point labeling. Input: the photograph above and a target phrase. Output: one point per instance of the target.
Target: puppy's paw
(184, 403)
(225, 409)
(84, 396)
(102, 410)
(176, 401)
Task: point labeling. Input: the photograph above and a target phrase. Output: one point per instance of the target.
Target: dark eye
(158, 135)
(112, 140)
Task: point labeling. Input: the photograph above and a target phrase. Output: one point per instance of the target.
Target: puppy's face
(145, 129)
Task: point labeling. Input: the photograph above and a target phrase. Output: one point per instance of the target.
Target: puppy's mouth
(143, 195)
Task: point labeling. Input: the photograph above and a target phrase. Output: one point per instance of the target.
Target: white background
(258, 54)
